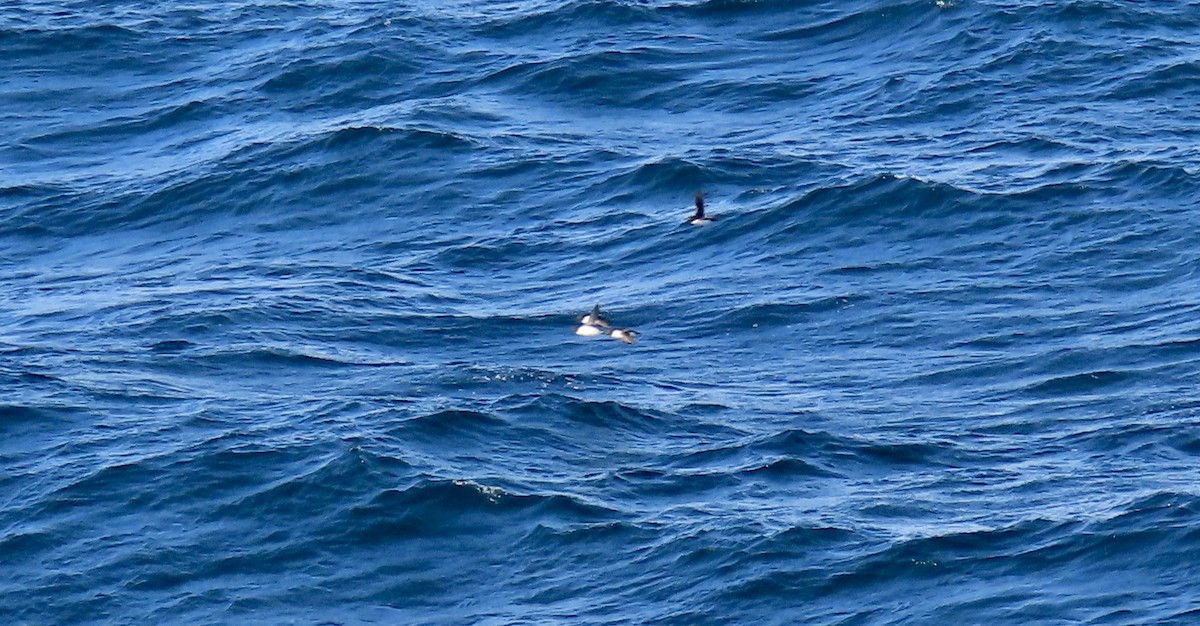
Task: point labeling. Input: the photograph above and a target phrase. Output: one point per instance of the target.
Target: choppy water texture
(287, 292)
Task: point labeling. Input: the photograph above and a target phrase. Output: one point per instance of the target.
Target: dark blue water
(288, 292)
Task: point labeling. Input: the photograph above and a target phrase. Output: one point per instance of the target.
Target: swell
(985, 569)
(538, 23)
(904, 207)
(326, 78)
(610, 78)
(846, 22)
(337, 162)
(352, 502)
(454, 507)
(31, 44)
(606, 418)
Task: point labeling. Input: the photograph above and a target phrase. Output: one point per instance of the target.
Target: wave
(988, 566)
(605, 416)
(768, 314)
(315, 166)
(334, 484)
(34, 41)
(454, 427)
(326, 78)
(451, 507)
(1135, 178)
(796, 453)
(846, 22)
(624, 79)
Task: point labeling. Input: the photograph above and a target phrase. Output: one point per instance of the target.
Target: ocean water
(288, 291)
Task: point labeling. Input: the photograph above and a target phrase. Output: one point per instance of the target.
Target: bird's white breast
(587, 330)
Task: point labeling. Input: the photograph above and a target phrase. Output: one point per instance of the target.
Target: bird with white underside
(594, 325)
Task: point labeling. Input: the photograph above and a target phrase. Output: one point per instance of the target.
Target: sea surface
(288, 292)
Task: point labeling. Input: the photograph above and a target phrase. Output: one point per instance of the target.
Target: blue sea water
(288, 291)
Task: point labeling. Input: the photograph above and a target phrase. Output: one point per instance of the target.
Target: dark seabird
(595, 318)
(698, 218)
